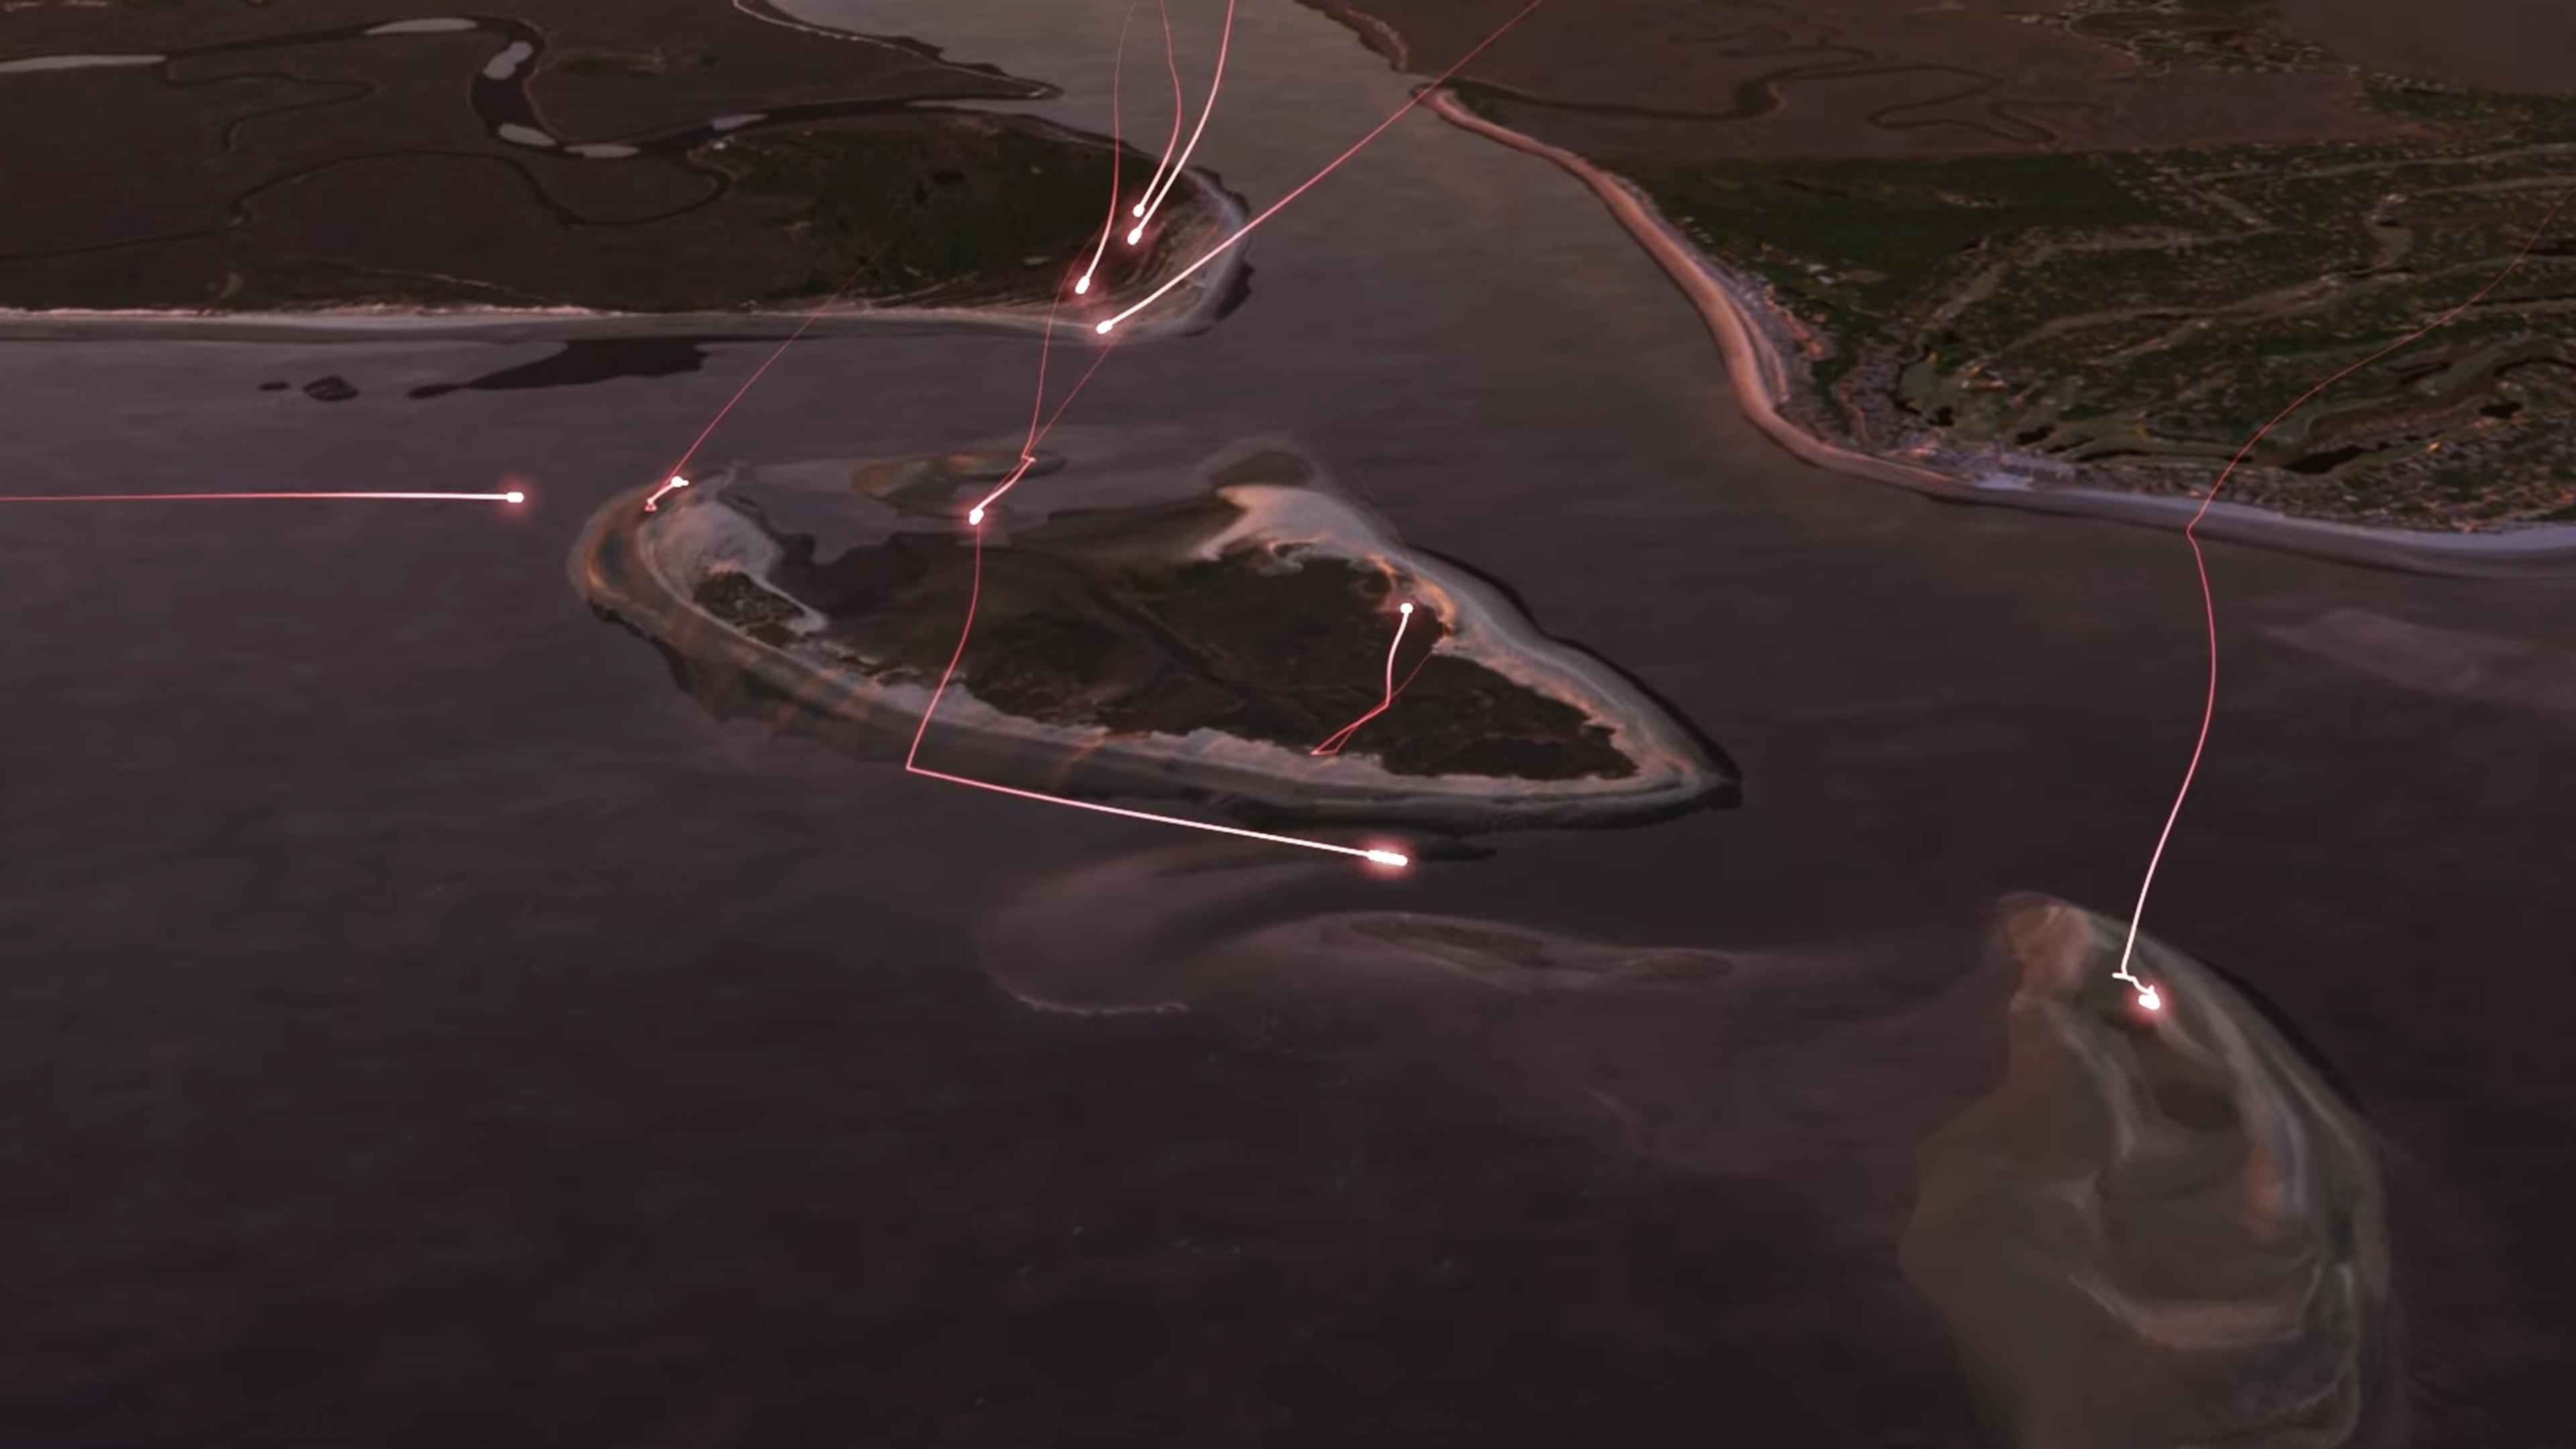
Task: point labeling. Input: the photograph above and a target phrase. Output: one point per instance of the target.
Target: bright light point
(1081, 285)
(1404, 608)
(975, 515)
(2147, 998)
(1135, 236)
(1388, 857)
(514, 496)
(1137, 210)
(1103, 328)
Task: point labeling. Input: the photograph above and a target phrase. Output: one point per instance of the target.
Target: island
(1204, 635)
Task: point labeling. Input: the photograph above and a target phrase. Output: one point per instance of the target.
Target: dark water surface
(421, 1025)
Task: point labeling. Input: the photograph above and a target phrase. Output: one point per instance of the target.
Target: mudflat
(661, 156)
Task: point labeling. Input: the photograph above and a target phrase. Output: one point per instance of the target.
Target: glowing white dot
(1137, 210)
(1104, 327)
(975, 515)
(2147, 998)
(514, 496)
(1388, 857)
(1404, 608)
(1081, 285)
(1135, 236)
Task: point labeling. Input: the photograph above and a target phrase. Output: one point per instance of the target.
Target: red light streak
(1117, 149)
(2209, 604)
(911, 760)
(671, 484)
(1335, 164)
(1172, 64)
(1340, 737)
(1028, 450)
(513, 496)
(852, 280)
(1153, 198)
(975, 515)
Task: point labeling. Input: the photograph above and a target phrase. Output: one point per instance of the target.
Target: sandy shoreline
(1763, 381)
(632, 568)
(1201, 300)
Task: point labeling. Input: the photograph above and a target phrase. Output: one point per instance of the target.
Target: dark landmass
(658, 156)
(1140, 631)
(1081, 623)
(2113, 268)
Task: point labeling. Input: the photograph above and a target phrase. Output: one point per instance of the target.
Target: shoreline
(1207, 295)
(619, 572)
(1762, 381)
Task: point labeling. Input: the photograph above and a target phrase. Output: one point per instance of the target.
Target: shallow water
(425, 1025)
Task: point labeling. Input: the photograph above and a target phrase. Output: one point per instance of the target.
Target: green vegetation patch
(2164, 306)
(928, 205)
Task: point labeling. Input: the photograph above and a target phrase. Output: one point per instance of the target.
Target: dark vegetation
(1239, 645)
(2163, 306)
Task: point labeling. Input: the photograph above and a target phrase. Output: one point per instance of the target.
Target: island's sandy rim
(616, 569)
(1193, 306)
(1744, 323)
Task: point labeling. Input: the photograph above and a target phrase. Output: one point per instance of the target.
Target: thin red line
(1335, 164)
(2200, 563)
(1117, 147)
(681, 468)
(1333, 745)
(911, 765)
(974, 597)
(1154, 198)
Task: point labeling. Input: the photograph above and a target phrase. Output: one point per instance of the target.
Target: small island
(1144, 636)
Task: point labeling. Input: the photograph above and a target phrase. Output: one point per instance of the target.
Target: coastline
(1762, 381)
(621, 573)
(1206, 301)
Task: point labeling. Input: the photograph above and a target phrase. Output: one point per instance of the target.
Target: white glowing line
(1379, 857)
(1117, 68)
(1179, 102)
(1154, 199)
(673, 484)
(1272, 210)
